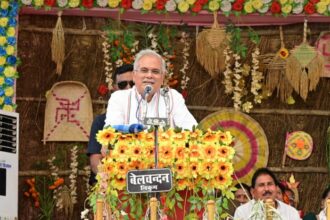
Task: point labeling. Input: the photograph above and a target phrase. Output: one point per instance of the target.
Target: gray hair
(149, 52)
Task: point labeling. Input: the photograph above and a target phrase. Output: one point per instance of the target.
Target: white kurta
(286, 212)
(123, 108)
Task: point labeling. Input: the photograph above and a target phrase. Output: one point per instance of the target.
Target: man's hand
(104, 151)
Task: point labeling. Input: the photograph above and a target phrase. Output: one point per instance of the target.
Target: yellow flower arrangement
(201, 161)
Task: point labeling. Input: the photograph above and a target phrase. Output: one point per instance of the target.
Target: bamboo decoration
(276, 73)
(210, 44)
(304, 67)
(210, 209)
(328, 209)
(58, 44)
(99, 209)
(153, 208)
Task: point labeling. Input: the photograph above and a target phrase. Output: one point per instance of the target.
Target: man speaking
(147, 99)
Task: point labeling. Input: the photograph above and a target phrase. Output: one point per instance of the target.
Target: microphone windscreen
(121, 128)
(136, 128)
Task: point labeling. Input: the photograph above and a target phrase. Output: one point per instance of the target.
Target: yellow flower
(257, 4)
(121, 169)
(209, 152)
(2, 80)
(194, 152)
(10, 50)
(182, 184)
(74, 3)
(113, 3)
(214, 5)
(282, 2)
(119, 183)
(147, 5)
(2, 99)
(106, 136)
(183, 6)
(121, 152)
(222, 182)
(207, 170)
(206, 183)
(136, 165)
(3, 40)
(248, 7)
(9, 91)
(326, 1)
(283, 53)
(180, 152)
(9, 71)
(286, 9)
(225, 168)
(321, 7)
(166, 153)
(135, 152)
(3, 21)
(226, 152)
(180, 170)
(193, 168)
(11, 32)
(226, 137)
(8, 108)
(39, 3)
(4, 4)
(191, 2)
(2, 60)
(210, 137)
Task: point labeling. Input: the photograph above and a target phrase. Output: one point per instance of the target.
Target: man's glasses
(145, 70)
(123, 84)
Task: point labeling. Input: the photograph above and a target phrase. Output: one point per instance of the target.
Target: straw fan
(210, 44)
(304, 67)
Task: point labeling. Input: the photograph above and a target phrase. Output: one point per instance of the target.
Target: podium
(200, 161)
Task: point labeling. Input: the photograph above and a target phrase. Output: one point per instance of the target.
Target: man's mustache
(267, 193)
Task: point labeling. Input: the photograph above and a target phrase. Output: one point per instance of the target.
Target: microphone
(129, 129)
(147, 91)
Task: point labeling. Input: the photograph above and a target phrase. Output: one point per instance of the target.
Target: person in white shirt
(325, 195)
(147, 99)
(264, 187)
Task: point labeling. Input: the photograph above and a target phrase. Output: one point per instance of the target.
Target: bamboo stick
(153, 208)
(48, 172)
(210, 209)
(213, 109)
(99, 209)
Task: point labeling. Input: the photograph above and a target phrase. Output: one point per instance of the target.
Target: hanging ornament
(275, 73)
(210, 44)
(304, 67)
(58, 44)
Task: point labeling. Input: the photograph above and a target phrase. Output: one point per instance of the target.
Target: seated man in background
(147, 99)
(122, 79)
(242, 194)
(264, 187)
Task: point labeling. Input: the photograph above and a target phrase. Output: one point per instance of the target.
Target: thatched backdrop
(83, 62)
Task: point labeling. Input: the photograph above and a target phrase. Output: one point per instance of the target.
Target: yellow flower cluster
(196, 158)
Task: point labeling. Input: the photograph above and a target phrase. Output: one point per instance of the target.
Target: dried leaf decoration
(304, 67)
(275, 73)
(58, 45)
(210, 44)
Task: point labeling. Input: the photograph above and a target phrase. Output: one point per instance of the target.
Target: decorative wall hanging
(323, 47)
(210, 44)
(298, 145)
(69, 112)
(58, 45)
(275, 73)
(304, 67)
(250, 141)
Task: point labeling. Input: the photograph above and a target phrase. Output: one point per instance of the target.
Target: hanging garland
(8, 60)
(185, 55)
